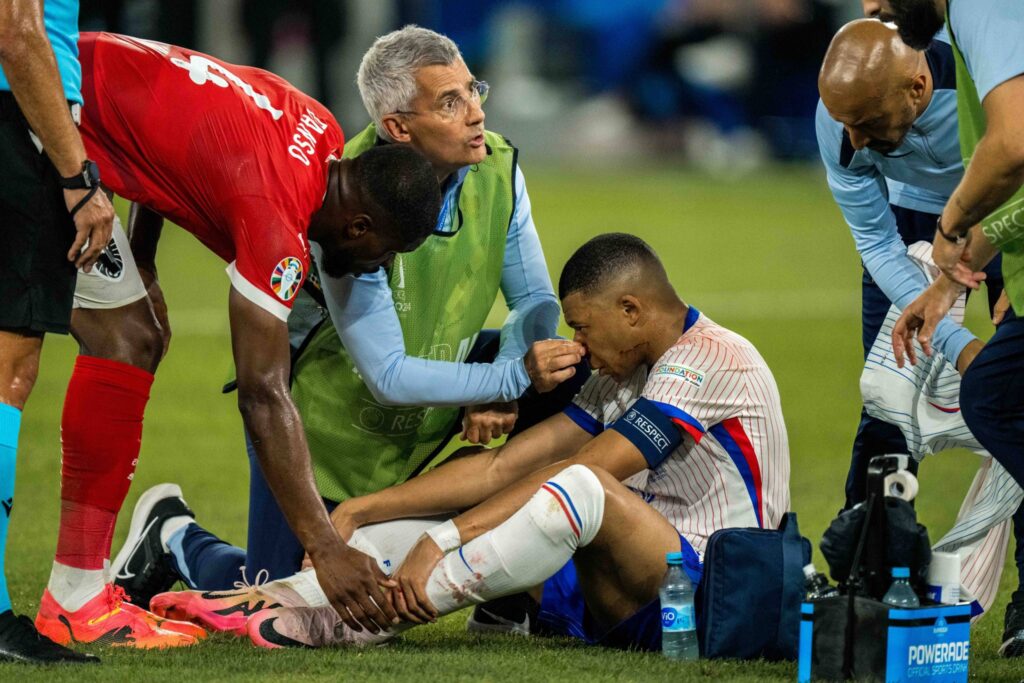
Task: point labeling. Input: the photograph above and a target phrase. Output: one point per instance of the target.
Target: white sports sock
(305, 584)
(534, 543)
(386, 542)
(390, 542)
(72, 587)
(172, 525)
(522, 552)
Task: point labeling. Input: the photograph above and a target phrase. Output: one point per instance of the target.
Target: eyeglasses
(454, 107)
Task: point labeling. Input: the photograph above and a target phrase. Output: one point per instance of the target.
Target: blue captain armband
(653, 433)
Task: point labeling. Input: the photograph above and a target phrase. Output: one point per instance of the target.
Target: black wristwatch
(86, 180)
(955, 239)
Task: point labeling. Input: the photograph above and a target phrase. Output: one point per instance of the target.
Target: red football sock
(101, 432)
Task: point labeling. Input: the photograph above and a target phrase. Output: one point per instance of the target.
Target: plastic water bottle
(817, 585)
(900, 593)
(678, 625)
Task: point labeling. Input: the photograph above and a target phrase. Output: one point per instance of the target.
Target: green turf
(768, 257)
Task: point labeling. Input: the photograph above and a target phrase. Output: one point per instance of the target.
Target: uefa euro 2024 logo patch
(687, 374)
(286, 278)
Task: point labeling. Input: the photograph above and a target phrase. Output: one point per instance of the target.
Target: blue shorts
(563, 612)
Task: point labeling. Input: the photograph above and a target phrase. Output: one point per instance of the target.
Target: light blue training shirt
(363, 312)
(922, 173)
(990, 34)
(61, 20)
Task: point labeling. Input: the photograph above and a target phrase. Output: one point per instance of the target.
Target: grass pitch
(768, 257)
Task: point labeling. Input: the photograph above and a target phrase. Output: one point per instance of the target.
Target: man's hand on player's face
(550, 362)
(94, 224)
(410, 598)
(352, 581)
(484, 423)
(922, 316)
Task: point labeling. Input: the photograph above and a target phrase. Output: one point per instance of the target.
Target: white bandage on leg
(534, 543)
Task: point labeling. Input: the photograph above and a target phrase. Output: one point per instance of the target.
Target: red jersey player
(251, 167)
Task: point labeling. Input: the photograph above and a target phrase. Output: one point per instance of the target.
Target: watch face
(91, 173)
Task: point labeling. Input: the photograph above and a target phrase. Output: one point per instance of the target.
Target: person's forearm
(274, 425)
(982, 250)
(457, 485)
(498, 508)
(993, 176)
(467, 481)
(144, 229)
(31, 70)
(895, 273)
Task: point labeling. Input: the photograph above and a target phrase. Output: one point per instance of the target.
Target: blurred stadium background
(687, 122)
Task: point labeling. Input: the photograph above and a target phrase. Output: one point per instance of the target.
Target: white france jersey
(732, 469)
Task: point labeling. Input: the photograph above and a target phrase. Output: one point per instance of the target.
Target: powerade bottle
(678, 625)
(900, 593)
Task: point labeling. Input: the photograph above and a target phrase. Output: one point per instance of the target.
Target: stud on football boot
(226, 611)
(307, 627)
(144, 567)
(107, 620)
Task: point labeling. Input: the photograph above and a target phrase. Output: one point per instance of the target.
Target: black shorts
(37, 282)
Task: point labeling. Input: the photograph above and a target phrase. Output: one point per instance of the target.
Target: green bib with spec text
(1004, 227)
(443, 293)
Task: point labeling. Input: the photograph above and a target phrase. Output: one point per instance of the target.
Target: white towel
(923, 401)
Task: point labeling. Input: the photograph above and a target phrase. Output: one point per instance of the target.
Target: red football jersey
(235, 155)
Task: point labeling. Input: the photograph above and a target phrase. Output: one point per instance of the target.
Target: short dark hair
(601, 259)
(399, 185)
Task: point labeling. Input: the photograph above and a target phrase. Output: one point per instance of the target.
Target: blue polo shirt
(61, 20)
(923, 171)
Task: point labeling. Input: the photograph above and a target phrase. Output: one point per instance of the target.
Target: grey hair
(387, 74)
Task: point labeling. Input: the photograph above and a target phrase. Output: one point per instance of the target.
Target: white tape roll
(901, 484)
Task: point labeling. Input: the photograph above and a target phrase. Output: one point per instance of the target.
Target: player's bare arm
(28, 62)
(609, 451)
(463, 482)
(351, 580)
(996, 170)
(922, 316)
(144, 229)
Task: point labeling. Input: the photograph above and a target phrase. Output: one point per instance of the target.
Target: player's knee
(149, 345)
(140, 340)
(579, 497)
(17, 377)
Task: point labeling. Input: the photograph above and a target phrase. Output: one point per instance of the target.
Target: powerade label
(677, 619)
(935, 651)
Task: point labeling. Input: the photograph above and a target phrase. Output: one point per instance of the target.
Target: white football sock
(72, 587)
(390, 542)
(522, 552)
(525, 550)
(386, 542)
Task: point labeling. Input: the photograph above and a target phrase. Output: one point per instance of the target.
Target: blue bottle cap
(900, 573)
(674, 558)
